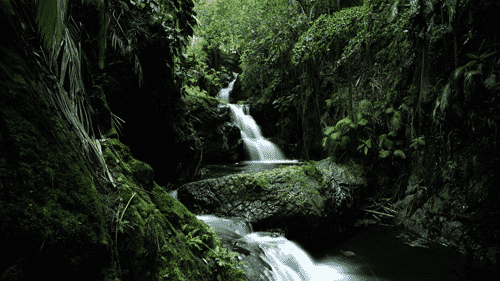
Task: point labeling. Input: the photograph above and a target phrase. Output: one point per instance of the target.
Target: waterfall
(288, 261)
(258, 147)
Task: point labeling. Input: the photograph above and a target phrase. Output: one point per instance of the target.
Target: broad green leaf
(381, 140)
(343, 122)
(368, 143)
(329, 130)
(388, 143)
(344, 141)
(384, 154)
(336, 135)
(366, 150)
(363, 122)
(399, 153)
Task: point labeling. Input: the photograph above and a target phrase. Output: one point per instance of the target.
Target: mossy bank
(59, 221)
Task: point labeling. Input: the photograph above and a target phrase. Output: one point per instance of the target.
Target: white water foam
(289, 262)
(258, 147)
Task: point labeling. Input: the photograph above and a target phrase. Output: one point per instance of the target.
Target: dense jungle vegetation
(408, 89)
(405, 88)
(379, 82)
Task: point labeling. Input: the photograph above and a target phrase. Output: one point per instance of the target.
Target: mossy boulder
(298, 201)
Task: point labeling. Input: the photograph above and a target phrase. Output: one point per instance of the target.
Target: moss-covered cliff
(59, 221)
(52, 221)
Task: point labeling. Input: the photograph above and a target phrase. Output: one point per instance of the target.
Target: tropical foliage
(407, 88)
(384, 82)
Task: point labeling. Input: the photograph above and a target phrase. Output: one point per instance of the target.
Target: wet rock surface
(459, 217)
(297, 201)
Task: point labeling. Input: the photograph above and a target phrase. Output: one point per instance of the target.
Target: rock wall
(463, 217)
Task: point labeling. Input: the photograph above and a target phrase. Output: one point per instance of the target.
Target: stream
(377, 252)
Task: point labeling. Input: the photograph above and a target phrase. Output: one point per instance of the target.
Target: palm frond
(125, 40)
(50, 19)
(61, 37)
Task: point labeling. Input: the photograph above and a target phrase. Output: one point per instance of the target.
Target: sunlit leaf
(336, 135)
(399, 153)
(381, 140)
(363, 122)
(329, 130)
(394, 10)
(384, 154)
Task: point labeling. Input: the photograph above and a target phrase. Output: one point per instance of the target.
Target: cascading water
(258, 147)
(287, 260)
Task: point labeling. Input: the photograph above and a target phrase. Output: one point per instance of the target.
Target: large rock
(220, 139)
(453, 216)
(293, 200)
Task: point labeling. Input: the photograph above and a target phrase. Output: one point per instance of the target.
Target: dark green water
(390, 253)
(379, 252)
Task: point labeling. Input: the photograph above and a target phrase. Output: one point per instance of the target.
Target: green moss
(49, 203)
(58, 221)
(300, 185)
(158, 233)
(311, 170)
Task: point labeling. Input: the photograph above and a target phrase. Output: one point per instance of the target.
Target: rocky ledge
(292, 200)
